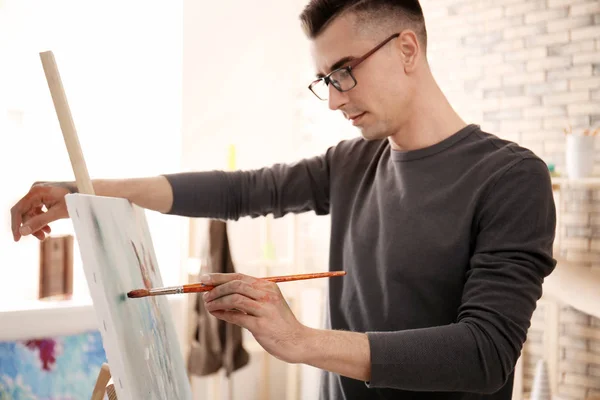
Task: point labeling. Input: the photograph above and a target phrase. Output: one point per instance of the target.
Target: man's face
(378, 104)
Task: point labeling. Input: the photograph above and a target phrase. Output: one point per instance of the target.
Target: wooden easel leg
(101, 385)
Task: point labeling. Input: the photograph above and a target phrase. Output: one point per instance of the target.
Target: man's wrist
(308, 346)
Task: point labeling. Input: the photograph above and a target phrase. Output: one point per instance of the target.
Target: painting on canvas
(138, 334)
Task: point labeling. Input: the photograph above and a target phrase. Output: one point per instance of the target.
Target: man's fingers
(40, 235)
(36, 223)
(237, 318)
(232, 287)
(219, 279)
(30, 202)
(15, 218)
(235, 301)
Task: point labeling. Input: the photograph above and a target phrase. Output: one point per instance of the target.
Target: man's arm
(279, 189)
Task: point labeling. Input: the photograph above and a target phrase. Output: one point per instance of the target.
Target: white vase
(580, 155)
(541, 383)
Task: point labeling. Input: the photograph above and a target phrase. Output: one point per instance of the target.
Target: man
(445, 231)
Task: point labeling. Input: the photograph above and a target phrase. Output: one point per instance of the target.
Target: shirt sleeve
(515, 229)
(279, 189)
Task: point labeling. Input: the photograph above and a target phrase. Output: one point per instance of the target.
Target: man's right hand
(29, 217)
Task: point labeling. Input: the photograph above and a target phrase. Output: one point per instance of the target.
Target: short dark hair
(319, 13)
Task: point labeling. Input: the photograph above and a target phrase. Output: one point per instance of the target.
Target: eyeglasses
(342, 78)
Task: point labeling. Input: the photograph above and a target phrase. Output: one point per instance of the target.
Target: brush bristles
(138, 293)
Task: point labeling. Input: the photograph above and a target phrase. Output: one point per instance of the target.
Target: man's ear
(409, 48)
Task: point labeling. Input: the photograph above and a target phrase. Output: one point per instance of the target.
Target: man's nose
(336, 98)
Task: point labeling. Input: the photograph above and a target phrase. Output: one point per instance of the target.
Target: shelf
(581, 182)
(576, 286)
(46, 318)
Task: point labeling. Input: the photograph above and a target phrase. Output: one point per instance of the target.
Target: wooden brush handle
(200, 287)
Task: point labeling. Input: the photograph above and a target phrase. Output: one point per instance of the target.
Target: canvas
(138, 334)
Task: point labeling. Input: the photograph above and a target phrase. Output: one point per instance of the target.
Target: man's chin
(369, 134)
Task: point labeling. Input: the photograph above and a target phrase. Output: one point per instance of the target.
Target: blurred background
(181, 85)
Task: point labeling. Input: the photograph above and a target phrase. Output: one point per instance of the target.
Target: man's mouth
(355, 118)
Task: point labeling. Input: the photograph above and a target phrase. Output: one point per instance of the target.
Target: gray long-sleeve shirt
(445, 249)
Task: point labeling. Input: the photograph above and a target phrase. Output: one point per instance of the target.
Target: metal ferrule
(166, 290)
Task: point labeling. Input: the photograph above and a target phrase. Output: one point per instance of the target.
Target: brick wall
(522, 69)
(525, 70)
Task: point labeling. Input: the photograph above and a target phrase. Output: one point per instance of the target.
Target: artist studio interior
(187, 153)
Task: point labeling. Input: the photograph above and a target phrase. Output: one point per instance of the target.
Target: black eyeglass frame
(353, 64)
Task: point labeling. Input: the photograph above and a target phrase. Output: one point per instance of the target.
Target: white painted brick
(491, 104)
(488, 59)
(587, 58)
(593, 394)
(573, 367)
(575, 343)
(551, 146)
(500, 115)
(571, 392)
(521, 125)
(547, 87)
(578, 256)
(572, 72)
(588, 32)
(544, 111)
(490, 82)
(578, 330)
(503, 68)
(508, 91)
(586, 8)
(527, 54)
(582, 109)
(566, 98)
(545, 15)
(489, 14)
(571, 48)
(523, 31)
(501, 23)
(584, 83)
(547, 63)
(595, 95)
(575, 218)
(571, 316)
(594, 370)
(559, 3)
(569, 23)
(524, 78)
(547, 39)
(508, 103)
(580, 380)
(561, 122)
(509, 45)
(575, 243)
(523, 7)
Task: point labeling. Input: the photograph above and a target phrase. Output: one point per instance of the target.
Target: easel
(82, 177)
(103, 386)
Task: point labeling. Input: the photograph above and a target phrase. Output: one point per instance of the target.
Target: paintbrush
(201, 287)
